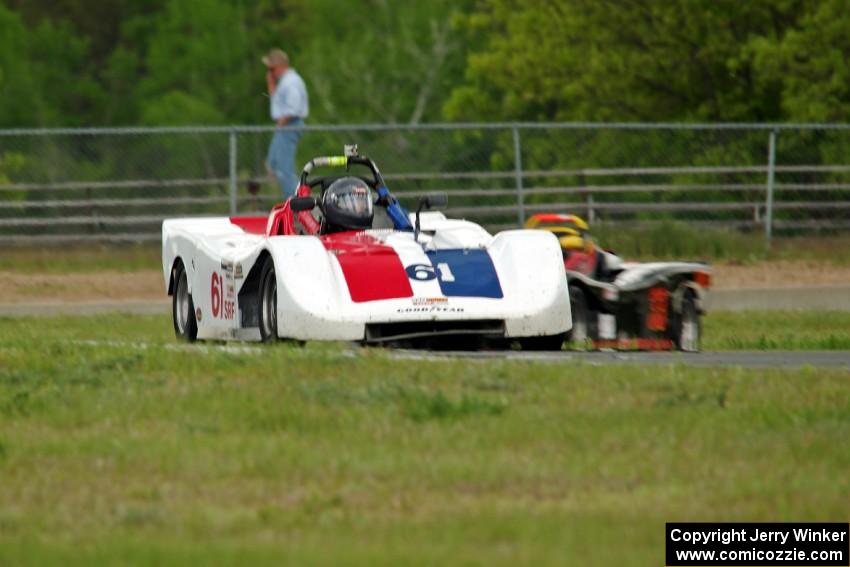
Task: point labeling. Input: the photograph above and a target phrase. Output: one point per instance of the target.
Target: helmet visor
(354, 200)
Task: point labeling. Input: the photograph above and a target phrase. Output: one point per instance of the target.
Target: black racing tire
(267, 303)
(686, 327)
(584, 320)
(545, 342)
(182, 306)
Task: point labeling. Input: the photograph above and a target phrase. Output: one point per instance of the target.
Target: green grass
(81, 258)
(161, 453)
(777, 330)
(679, 241)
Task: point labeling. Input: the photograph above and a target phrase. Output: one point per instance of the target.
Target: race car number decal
(424, 272)
(460, 273)
(446, 274)
(420, 272)
(221, 307)
(466, 273)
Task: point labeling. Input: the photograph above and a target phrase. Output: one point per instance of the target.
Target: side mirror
(299, 204)
(433, 201)
(429, 201)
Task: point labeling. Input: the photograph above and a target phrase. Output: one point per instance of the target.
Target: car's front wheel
(584, 320)
(267, 307)
(182, 307)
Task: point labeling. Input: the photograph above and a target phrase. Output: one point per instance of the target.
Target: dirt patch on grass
(779, 274)
(92, 286)
(147, 285)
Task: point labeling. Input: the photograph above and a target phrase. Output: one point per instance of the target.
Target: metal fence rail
(118, 184)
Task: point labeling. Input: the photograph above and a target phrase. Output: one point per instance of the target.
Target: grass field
(777, 330)
(77, 259)
(116, 453)
(680, 241)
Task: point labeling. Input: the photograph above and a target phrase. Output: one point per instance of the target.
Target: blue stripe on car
(472, 273)
(395, 211)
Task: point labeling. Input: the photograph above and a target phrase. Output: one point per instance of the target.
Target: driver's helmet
(573, 235)
(575, 223)
(347, 205)
(570, 239)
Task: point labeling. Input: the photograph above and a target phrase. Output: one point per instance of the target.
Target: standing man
(289, 107)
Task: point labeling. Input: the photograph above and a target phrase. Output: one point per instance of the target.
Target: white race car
(352, 265)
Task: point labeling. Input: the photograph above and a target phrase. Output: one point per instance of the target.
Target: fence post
(768, 209)
(582, 184)
(518, 175)
(232, 170)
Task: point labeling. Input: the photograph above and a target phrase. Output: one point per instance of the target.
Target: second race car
(627, 305)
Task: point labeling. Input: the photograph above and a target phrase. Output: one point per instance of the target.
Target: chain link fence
(119, 184)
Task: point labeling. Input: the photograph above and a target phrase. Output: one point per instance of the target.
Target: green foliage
(197, 57)
(63, 63)
(811, 63)
(17, 102)
(47, 74)
(10, 162)
(178, 107)
(391, 61)
(173, 62)
(603, 60)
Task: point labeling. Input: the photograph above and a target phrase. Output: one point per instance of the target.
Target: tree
(811, 63)
(381, 60)
(610, 60)
(47, 75)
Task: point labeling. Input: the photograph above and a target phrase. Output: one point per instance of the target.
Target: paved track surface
(743, 359)
(746, 359)
(832, 298)
(752, 299)
(50, 309)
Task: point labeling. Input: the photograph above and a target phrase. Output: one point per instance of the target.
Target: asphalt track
(744, 359)
(728, 299)
(52, 309)
(740, 359)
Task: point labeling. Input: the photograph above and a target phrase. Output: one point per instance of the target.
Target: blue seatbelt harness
(398, 214)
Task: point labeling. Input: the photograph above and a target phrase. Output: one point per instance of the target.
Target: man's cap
(275, 57)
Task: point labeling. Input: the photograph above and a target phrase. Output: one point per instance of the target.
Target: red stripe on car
(251, 225)
(373, 271)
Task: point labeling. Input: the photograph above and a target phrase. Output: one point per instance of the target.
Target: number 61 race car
(349, 263)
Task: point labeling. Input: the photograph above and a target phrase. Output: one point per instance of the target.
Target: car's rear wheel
(267, 307)
(687, 327)
(584, 320)
(182, 307)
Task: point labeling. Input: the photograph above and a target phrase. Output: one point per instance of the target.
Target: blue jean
(281, 158)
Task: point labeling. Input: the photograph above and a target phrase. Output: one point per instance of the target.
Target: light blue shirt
(290, 97)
